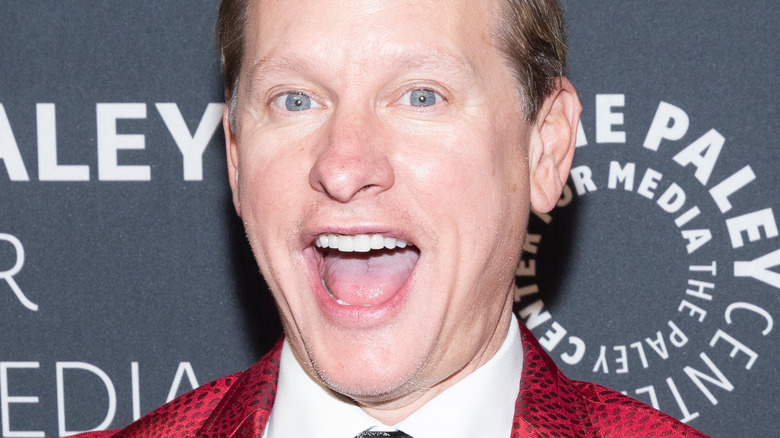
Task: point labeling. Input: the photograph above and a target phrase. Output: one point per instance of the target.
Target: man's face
(368, 124)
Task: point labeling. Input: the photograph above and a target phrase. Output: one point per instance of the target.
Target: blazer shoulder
(614, 414)
(551, 404)
(200, 410)
(181, 417)
(97, 434)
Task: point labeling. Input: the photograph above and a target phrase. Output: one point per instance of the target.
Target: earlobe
(231, 153)
(552, 145)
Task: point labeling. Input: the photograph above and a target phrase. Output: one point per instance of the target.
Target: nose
(352, 161)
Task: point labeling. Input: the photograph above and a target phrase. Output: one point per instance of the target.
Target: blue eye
(295, 102)
(421, 98)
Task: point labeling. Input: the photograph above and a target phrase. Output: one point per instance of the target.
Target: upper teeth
(358, 242)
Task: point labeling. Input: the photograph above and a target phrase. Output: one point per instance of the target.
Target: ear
(552, 145)
(231, 152)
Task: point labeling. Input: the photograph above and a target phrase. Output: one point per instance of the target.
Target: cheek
(269, 184)
(270, 208)
(472, 175)
(254, 190)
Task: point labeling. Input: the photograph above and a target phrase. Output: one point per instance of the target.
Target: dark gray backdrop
(144, 286)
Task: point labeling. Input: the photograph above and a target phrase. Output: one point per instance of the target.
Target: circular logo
(654, 274)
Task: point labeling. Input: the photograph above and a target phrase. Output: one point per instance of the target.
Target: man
(384, 156)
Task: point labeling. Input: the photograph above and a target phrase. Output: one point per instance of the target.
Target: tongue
(367, 279)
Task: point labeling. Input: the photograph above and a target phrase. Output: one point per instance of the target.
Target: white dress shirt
(481, 404)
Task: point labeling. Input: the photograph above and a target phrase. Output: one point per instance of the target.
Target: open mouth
(364, 269)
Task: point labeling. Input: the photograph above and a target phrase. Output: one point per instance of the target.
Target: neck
(394, 410)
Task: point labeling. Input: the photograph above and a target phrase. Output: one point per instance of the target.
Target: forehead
(347, 33)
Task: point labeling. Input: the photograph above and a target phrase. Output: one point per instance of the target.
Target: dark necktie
(371, 434)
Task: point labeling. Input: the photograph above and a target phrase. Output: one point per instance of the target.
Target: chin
(370, 384)
(369, 365)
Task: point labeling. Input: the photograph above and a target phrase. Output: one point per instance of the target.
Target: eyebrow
(278, 65)
(431, 60)
(423, 59)
(275, 65)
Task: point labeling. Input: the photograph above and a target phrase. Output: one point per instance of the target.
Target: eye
(421, 98)
(295, 102)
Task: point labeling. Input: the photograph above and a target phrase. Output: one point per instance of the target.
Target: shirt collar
(482, 402)
(304, 408)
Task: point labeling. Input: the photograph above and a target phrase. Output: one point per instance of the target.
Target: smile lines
(359, 242)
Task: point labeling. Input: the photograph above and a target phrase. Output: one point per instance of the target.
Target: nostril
(342, 173)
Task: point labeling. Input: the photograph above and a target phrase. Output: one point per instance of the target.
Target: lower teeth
(343, 303)
(340, 302)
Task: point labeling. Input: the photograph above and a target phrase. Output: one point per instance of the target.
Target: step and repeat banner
(125, 277)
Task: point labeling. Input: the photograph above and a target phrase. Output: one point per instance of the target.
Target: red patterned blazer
(548, 405)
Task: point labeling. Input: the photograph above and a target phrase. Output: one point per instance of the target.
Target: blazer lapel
(548, 404)
(244, 411)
